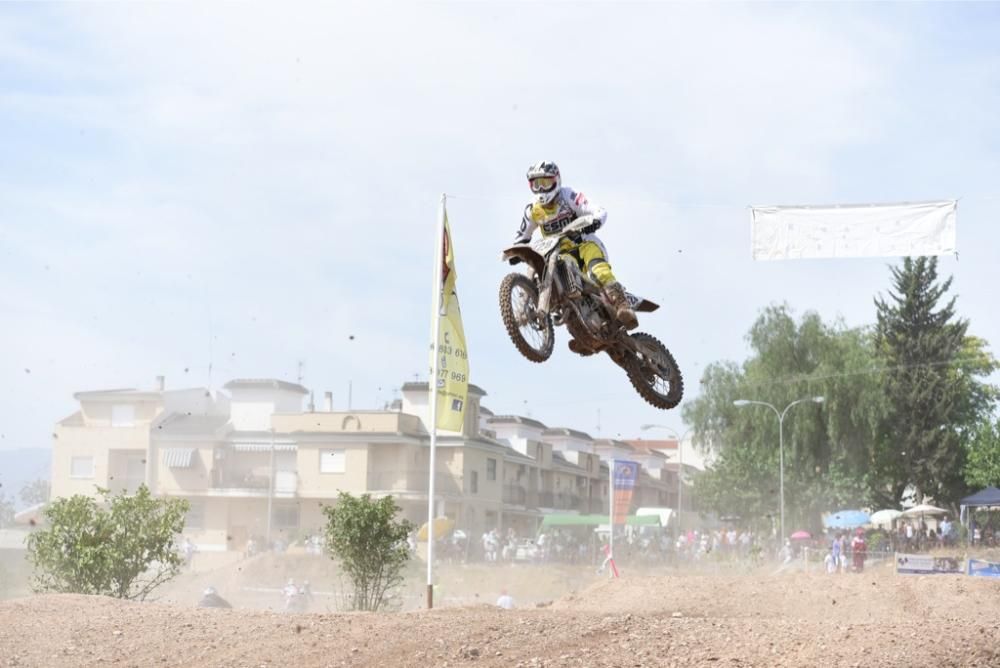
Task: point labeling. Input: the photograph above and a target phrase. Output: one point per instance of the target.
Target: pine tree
(931, 396)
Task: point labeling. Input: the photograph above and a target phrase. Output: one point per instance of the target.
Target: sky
(231, 190)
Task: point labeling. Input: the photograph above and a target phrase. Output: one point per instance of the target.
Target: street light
(680, 464)
(781, 444)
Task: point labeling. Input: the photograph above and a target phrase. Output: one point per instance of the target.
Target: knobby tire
(510, 322)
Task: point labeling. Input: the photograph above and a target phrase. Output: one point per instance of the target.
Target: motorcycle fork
(548, 283)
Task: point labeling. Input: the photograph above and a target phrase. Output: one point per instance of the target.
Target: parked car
(526, 550)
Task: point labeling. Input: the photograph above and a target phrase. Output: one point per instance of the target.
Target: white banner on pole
(855, 230)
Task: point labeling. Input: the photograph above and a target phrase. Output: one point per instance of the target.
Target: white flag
(856, 230)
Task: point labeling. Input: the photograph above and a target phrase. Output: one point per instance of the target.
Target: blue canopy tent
(845, 519)
(986, 498)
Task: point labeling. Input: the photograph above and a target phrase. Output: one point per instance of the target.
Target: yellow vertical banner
(453, 359)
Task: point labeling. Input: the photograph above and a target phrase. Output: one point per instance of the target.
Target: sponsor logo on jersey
(552, 217)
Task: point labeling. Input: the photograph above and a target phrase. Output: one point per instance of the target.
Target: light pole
(781, 445)
(270, 490)
(680, 465)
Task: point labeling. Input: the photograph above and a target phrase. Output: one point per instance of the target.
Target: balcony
(561, 501)
(413, 482)
(515, 495)
(253, 483)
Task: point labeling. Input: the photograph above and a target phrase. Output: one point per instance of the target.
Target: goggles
(542, 184)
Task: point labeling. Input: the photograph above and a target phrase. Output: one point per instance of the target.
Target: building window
(195, 518)
(474, 482)
(123, 415)
(491, 469)
(286, 516)
(332, 461)
(81, 467)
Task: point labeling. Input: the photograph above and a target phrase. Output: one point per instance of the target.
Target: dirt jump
(875, 619)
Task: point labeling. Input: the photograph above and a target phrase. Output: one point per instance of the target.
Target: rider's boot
(577, 348)
(616, 295)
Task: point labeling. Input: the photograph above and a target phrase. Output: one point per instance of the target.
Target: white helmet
(544, 181)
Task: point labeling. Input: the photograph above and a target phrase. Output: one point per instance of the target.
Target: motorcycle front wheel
(654, 373)
(532, 335)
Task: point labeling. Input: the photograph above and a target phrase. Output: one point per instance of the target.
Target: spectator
(251, 548)
(859, 550)
(835, 550)
(786, 553)
(291, 594)
(505, 601)
(187, 551)
(830, 563)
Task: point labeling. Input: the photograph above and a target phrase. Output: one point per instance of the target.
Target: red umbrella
(801, 535)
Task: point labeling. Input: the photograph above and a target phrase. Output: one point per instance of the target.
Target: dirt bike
(555, 292)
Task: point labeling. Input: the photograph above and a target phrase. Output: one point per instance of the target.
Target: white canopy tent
(924, 509)
(885, 518)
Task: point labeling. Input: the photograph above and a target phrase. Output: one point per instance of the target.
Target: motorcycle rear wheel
(656, 377)
(533, 337)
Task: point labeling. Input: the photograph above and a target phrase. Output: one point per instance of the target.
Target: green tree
(827, 448)
(35, 492)
(122, 548)
(933, 399)
(982, 467)
(364, 536)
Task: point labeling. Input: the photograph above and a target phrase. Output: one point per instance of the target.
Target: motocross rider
(552, 208)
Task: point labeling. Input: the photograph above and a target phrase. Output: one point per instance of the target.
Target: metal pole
(781, 446)
(270, 491)
(611, 510)
(432, 387)
(680, 484)
(781, 467)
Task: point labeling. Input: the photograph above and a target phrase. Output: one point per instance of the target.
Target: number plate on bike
(543, 245)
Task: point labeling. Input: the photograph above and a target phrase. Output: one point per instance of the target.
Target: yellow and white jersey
(566, 206)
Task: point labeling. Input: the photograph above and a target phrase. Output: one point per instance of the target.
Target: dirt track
(791, 620)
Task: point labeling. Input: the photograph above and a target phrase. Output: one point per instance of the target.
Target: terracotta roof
(642, 448)
(562, 461)
(610, 442)
(566, 431)
(180, 423)
(271, 383)
(118, 393)
(668, 444)
(515, 419)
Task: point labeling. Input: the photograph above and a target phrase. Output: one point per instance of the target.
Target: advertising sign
(925, 564)
(985, 569)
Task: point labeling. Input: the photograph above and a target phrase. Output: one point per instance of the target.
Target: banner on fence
(925, 564)
(985, 569)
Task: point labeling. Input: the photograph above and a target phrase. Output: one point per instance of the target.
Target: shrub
(364, 536)
(122, 548)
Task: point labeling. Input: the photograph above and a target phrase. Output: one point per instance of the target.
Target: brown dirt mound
(900, 621)
(256, 582)
(842, 598)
